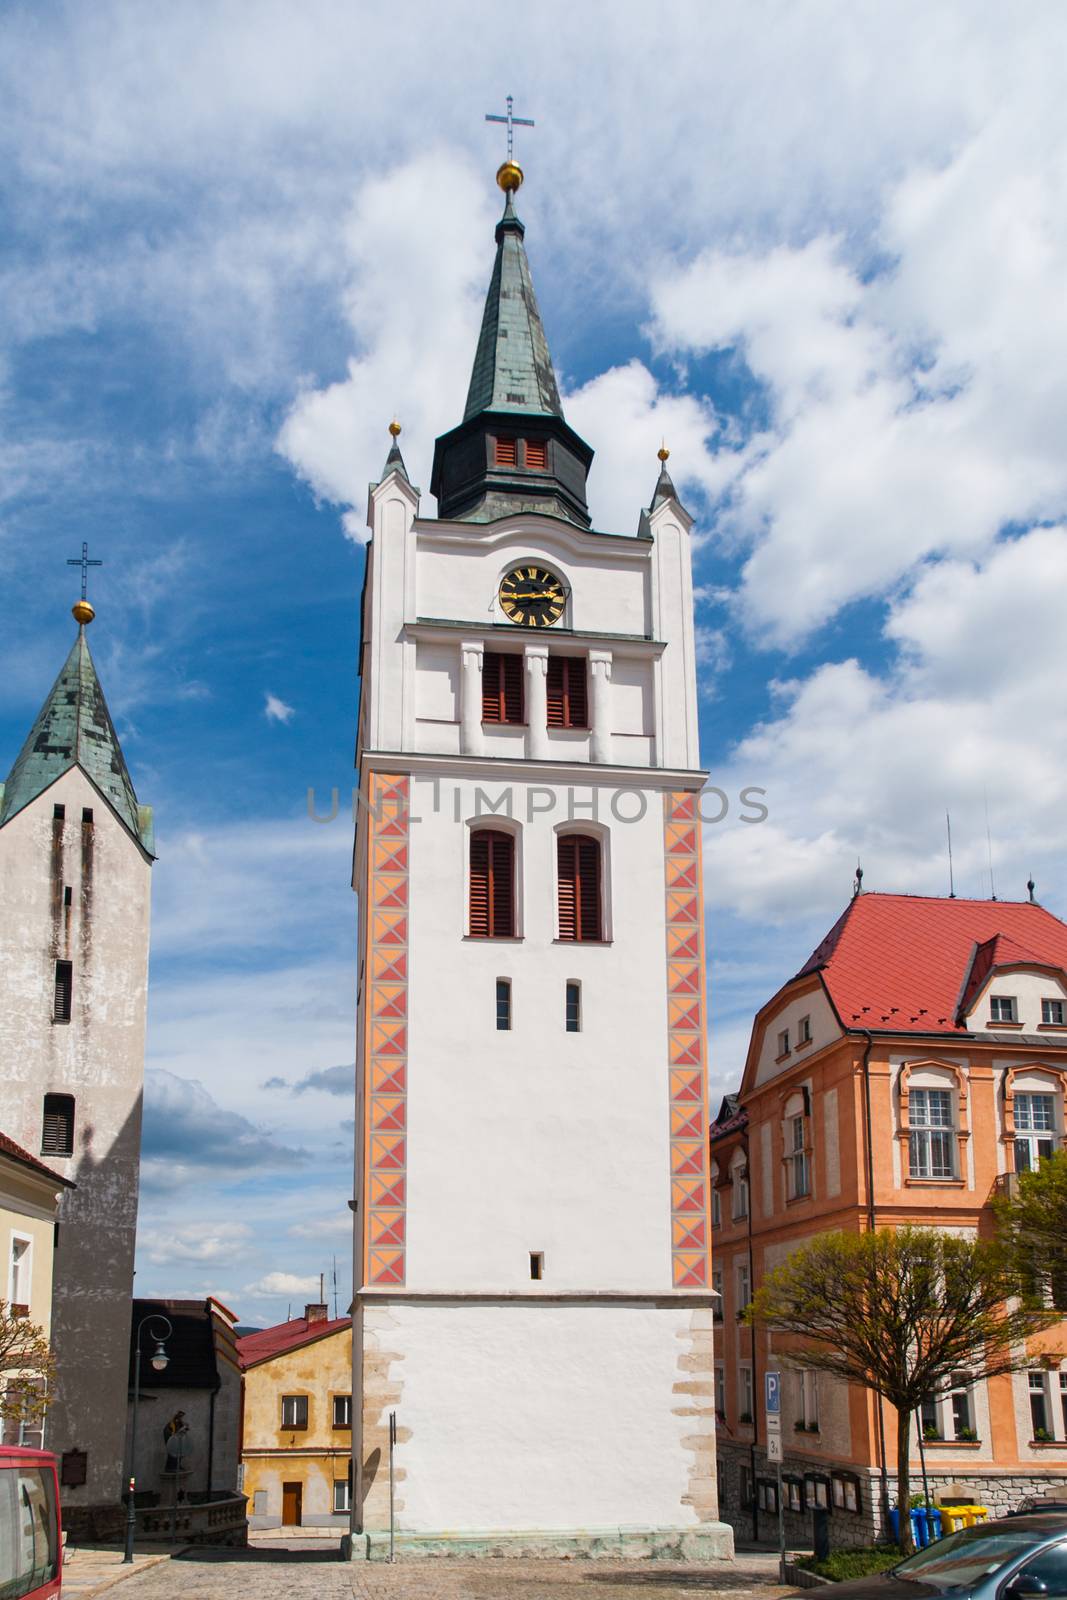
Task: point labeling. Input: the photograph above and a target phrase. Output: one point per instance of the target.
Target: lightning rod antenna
(951, 878)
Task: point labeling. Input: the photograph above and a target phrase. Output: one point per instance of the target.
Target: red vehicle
(31, 1549)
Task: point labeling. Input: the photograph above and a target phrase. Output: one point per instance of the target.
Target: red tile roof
(268, 1342)
(901, 962)
(8, 1147)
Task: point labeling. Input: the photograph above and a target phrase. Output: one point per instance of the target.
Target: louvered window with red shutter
(492, 885)
(536, 453)
(502, 687)
(578, 858)
(506, 453)
(567, 697)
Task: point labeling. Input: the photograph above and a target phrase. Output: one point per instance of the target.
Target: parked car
(1040, 1502)
(1013, 1558)
(31, 1549)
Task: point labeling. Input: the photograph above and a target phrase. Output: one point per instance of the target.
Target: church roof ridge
(74, 729)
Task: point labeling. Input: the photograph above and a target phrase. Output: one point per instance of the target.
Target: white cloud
(276, 710)
(862, 764)
(218, 1241)
(284, 1283)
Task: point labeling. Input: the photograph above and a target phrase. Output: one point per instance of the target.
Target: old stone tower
(531, 1254)
(75, 865)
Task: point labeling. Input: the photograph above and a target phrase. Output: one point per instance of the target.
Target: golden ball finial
(395, 429)
(509, 176)
(663, 453)
(82, 612)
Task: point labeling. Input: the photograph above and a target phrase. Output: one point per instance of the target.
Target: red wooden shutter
(505, 452)
(492, 710)
(492, 885)
(578, 859)
(557, 692)
(567, 701)
(537, 454)
(577, 712)
(502, 699)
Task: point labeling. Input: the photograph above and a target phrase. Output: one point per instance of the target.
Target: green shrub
(841, 1565)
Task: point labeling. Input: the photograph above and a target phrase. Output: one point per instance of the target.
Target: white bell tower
(532, 1249)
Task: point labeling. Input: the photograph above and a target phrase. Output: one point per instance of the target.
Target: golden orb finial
(509, 176)
(82, 612)
(663, 453)
(395, 428)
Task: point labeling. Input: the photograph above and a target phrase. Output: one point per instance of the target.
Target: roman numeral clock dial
(532, 597)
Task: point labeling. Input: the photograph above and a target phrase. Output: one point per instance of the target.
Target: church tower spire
(513, 451)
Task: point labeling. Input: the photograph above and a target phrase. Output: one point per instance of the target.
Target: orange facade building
(914, 1064)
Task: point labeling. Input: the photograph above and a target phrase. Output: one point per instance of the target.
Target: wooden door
(292, 1504)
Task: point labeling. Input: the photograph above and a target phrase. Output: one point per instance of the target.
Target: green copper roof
(512, 367)
(74, 729)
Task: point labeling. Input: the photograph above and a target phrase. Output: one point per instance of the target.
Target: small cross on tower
(512, 123)
(84, 562)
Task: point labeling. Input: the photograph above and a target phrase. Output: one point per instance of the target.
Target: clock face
(532, 597)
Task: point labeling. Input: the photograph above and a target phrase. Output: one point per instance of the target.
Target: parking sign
(772, 1384)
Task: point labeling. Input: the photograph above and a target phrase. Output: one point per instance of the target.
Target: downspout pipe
(872, 1224)
(752, 1340)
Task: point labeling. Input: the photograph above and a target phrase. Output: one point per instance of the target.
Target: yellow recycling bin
(962, 1516)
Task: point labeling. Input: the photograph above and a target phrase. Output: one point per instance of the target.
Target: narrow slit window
(502, 699)
(573, 1008)
(492, 885)
(537, 1265)
(578, 860)
(503, 1005)
(59, 812)
(537, 454)
(87, 815)
(64, 991)
(57, 1126)
(506, 453)
(568, 700)
(68, 894)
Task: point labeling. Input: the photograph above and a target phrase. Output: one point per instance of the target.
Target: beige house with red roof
(29, 1204)
(296, 1422)
(915, 1063)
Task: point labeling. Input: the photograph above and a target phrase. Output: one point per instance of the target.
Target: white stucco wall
(824, 1029)
(98, 1057)
(536, 1139)
(543, 1415)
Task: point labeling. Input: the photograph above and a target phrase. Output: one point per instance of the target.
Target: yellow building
(29, 1197)
(296, 1424)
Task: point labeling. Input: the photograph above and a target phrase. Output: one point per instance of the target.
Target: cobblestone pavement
(276, 1573)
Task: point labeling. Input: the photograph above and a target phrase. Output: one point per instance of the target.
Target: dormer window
(1002, 1008)
(1052, 1013)
(783, 1043)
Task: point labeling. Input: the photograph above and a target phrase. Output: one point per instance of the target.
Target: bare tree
(26, 1368)
(898, 1312)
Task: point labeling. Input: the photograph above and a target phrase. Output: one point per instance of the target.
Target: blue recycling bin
(894, 1524)
(935, 1523)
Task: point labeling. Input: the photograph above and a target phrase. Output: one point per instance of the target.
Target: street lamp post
(160, 1359)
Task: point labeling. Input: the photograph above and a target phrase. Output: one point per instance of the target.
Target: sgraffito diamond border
(686, 1042)
(385, 1024)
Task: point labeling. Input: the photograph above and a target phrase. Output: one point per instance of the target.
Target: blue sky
(819, 248)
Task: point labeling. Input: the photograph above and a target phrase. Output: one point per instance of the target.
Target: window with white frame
(798, 1172)
(930, 1419)
(1063, 1401)
(961, 1403)
(716, 1203)
(294, 1410)
(809, 1401)
(342, 1495)
(1002, 1008)
(1052, 1013)
(1035, 1129)
(783, 1043)
(718, 1309)
(720, 1388)
(19, 1275)
(744, 1286)
(931, 1134)
(1037, 1385)
(739, 1177)
(744, 1394)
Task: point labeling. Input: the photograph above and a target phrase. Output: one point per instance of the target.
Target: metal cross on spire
(512, 123)
(85, 563)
